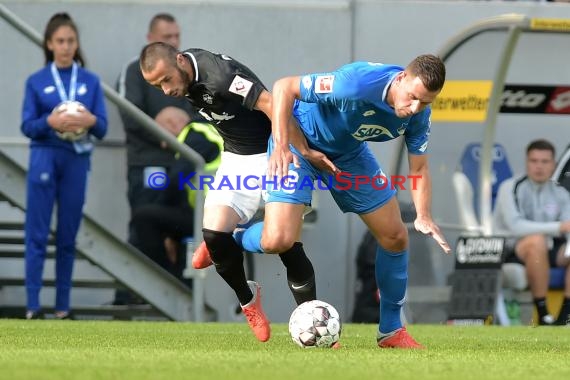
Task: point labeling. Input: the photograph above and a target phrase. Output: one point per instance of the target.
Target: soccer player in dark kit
(235, 101)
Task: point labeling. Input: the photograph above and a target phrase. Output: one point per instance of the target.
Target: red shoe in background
(201, 257)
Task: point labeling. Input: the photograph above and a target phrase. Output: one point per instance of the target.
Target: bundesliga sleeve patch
(240, 86)
(307, 82)
(324, 84)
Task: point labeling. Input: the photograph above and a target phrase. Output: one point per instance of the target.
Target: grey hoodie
(524, 207)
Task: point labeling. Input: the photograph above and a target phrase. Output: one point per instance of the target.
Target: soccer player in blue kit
(339, 112)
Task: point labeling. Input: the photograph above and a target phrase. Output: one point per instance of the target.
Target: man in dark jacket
(146, 154)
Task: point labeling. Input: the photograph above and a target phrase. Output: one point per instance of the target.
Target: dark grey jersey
(225, 92)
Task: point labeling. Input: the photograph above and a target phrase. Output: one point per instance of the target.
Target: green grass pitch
(167, 350)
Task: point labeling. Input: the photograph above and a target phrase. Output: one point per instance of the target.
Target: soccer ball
(315, 324)
(72, 108)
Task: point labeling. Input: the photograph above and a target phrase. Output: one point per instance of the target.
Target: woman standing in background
(63, 109)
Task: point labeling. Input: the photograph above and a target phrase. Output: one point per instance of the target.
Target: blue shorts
(361, 187)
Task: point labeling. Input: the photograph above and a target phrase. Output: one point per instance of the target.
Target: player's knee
(277, 242)
(221, 245)
(395, 240)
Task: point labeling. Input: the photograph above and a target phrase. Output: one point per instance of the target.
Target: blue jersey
(341, 110)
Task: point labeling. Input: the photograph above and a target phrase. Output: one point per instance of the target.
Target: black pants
(154, 223)
(151, 224)
(139, 195)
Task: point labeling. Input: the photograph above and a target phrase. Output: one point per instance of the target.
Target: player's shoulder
(195, 50)
(200, 54)
(209, 60)
(362, 75)
(223, 60)
(371, 67)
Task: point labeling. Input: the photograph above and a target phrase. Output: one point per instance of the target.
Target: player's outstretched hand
(278, 165)
(428, 227)
(320, 161)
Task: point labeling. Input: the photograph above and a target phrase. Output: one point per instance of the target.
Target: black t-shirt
(225, 92)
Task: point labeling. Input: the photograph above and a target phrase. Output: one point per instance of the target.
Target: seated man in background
(162, 225)
(536, 210)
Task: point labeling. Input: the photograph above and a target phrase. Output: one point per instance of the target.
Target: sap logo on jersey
(324, 84)
(365, 132)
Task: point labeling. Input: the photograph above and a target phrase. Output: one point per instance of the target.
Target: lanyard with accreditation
(83, 145)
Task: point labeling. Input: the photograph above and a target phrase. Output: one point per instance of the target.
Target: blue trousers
(59, 176)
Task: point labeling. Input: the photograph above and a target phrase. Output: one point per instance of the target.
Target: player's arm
(420, 189)
(285, 91)
(264, 102)
(296, 137)
(285, 130)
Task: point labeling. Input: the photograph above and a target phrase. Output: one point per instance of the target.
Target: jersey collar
(385, 91)
(195, 64)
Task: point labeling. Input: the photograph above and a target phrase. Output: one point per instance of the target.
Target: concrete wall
(277, 38)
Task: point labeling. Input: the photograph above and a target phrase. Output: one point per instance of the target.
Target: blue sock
(250, 239)
(391, 278)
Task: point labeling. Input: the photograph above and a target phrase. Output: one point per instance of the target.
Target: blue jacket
(41, 96)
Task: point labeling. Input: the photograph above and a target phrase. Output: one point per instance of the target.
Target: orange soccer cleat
(255, 315)
(399, 339)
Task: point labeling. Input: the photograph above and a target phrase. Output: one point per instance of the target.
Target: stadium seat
(514, 276)
(469, 165)
(465, 184)
(467, 187)
(465, 204)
